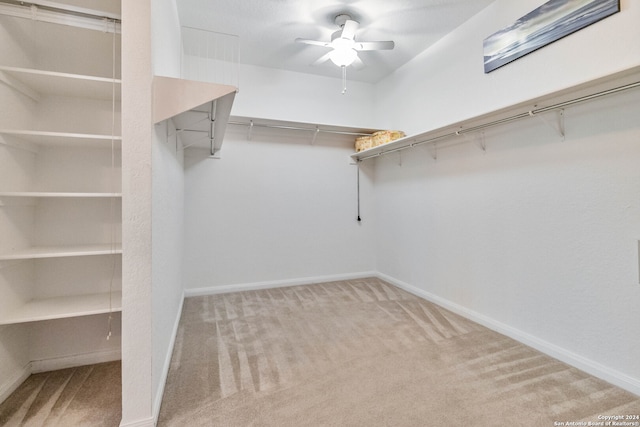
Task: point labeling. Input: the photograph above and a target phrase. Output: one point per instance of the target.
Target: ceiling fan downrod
(344, 79)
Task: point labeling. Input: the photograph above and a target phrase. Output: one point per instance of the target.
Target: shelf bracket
(315, 135)
(478, 140)
(558, 127)
(481, 142)
(434, 151)
(212, 129)
(250, 131)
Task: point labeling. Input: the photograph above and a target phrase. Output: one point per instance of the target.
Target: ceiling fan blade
(349, 29)
(357, 63)
(388, 45)
(322, 59)
(313, 42)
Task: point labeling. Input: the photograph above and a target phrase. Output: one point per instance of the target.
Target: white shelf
(61, 138)
(179, 99)
(44, 194)
(36, 83)
(62, 251)
(463, 130)
(63, 307)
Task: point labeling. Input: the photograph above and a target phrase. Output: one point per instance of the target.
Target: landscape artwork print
(546, 24)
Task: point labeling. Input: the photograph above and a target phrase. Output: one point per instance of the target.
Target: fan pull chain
(344, 79)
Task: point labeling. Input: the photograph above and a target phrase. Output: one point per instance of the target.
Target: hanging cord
(344, 79)
(358, 187)
(112, 209)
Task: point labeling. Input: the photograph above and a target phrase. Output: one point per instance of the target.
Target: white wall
(167, 205)
(446, 83)
(273, 209)
(536, 234)
(168, 231)
(137, 331)
(285, 95)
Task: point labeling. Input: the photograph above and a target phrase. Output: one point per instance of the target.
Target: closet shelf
(37, 252)
(45, 194)
(200, 110)
(468, 130)
(63, 307)
(35, 83)
(57, 139)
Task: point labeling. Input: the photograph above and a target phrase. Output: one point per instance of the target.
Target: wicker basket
(386, 136)
(363, 143)
(377, 138)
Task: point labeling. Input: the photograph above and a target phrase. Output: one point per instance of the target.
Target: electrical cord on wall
(358, 187)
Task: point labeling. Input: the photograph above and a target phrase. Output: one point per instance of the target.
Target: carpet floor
(84, 396)
(364, 353)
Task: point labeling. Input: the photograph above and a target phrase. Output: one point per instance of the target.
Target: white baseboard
(275, 284)
(167, 362)
(64, 362)
(9, 386)
(147, 422)
(589, 366)
(45, 365)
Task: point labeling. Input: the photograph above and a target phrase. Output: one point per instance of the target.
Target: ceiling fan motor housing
(341, 19)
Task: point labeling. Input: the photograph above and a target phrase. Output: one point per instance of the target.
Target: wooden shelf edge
(39, 252)
(70, 135)
(64, 307)
(172, 96)
(46, 73)
(46, 194)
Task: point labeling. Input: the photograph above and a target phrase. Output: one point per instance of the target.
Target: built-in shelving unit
(60, 176)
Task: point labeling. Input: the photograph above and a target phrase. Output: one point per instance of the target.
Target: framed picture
(546, 24)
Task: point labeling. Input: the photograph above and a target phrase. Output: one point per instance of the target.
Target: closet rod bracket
(315, 135)
(434, 151)
(558, 126)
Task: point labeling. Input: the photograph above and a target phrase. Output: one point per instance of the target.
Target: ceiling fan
(344, 47)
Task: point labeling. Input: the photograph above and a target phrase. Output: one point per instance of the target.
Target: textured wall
(167, 204)
(537, 234)
(284, 95)
(275, 208)
(447, 83)
(167, 219)
(136, 213)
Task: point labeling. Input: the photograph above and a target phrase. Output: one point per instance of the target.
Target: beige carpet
(364, 353)
(84, 396)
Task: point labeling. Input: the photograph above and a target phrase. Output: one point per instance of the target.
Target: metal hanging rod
(316, 129)
(64, 9)
(510, 119)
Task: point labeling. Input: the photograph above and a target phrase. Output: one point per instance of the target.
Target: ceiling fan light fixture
(343, 57)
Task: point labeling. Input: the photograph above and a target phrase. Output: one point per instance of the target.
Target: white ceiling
(267, 29)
